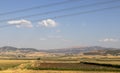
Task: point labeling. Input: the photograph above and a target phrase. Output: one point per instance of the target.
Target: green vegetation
(74, 66)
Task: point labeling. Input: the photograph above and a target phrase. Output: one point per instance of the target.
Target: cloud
(108, 40)
(47, 23)
(21, 23)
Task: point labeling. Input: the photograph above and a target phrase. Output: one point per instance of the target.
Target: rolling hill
(93, 50)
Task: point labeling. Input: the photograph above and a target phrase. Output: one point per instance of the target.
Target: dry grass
(38, 54)
(48, 71)
(14, 66)
(7, 64)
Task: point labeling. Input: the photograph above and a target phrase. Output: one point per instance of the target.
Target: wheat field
(55, 66)
(49, 71)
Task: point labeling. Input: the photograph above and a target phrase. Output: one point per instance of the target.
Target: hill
(78, 49)
(93, 50)
(8, 51)
(20, 53)
(14, 49)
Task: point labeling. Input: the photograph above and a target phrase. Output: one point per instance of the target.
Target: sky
(48, 31)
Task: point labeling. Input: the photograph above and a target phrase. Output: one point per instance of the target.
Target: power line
(38, 7)
(67, 15)
(90, 11)
(61, 10)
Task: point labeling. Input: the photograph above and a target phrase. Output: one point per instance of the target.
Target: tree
(38, 58)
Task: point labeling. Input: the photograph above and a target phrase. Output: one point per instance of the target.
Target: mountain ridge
(92, 50)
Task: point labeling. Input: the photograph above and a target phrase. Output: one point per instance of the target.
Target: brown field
(61, 65)
(50, 71)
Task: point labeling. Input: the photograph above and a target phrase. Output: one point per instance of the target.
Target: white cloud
(108, 40)
(47, 23)
(21, 23)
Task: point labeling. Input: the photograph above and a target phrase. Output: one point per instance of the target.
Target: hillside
(23, 53)
(14, 49)
(8, 51)
(79, 50)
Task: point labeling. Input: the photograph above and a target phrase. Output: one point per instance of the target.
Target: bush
(38, 58)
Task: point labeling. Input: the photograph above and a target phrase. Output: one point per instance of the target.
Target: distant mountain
(28, 50)
(113, 52)
(14, 49)
(7, 48)
(78, 50)
(93, 50)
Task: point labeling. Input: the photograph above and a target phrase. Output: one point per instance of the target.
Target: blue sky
(100, 28)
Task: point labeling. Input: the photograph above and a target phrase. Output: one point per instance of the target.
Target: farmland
(50, 71)
(8, 64)
(62, 65)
